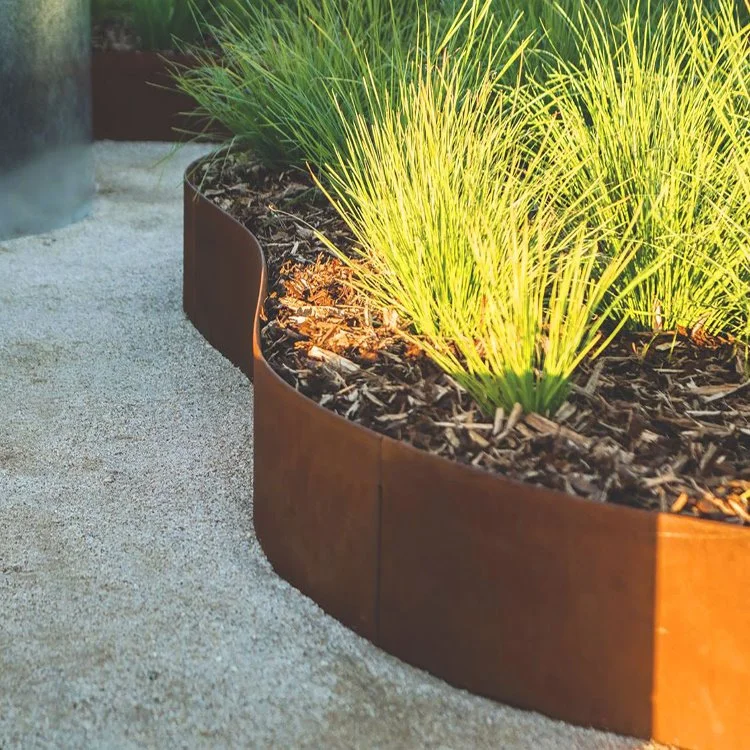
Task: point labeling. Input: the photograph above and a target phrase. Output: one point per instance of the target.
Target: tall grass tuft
(463, 235)
(159, 23)
(289, 74)
(650, 115)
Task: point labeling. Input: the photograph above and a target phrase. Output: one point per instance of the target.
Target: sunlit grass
(645, 115)
(514, 222)
(463, 234)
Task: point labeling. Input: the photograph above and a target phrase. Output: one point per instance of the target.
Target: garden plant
(532, 216)
(656, 116)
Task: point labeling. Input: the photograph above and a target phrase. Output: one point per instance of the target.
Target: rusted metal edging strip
(595, 614)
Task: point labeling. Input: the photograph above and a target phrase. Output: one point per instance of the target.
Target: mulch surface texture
(656, 422)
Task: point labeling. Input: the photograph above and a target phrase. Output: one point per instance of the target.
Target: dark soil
(656, 422)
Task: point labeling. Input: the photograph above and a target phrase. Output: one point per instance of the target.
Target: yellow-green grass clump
(654, 123)
(462, 231)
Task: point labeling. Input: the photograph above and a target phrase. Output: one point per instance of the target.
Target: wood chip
(652, 482)
(727, 392)
(525, 432)
(452, 438)
(593, 380)
(548, 427)
(515, 414)
(497, 424)
(390, 319)
(336, 361)
(465, 425)
(679, 504)
(648, 437)
(478, 439)
(710, 393)
(565, 412)
(707, 456)
(739, 509)
(391, 417)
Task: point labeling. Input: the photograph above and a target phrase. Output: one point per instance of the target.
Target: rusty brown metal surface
(701, 672)
(189, 196)
(515, 593)
(130, 101)
(599, 615)
(317, 519)
(316, 501)
(595, 614)
(223, 266)
(316, 495)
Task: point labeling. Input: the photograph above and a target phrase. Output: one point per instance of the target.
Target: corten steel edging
(316, 501)
(298, 497)
(600, 615)
(221, 281)
(188, 254)
(134, 97)
(595, 614)
(316, 497)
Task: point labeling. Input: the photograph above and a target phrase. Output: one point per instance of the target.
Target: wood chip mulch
(661, 423)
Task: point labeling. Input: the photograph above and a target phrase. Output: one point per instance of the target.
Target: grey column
(46, 171)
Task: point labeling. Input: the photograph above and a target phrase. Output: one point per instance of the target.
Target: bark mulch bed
(657, 422)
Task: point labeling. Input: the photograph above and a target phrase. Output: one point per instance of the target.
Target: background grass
(161, 24)
(291, 74)
(652, 109)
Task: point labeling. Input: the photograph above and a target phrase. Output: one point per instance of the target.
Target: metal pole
(46, 171)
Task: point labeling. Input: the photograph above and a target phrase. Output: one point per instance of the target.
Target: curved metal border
(598, 615)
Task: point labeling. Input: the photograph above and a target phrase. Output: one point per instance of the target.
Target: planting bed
(659, 422)
(586, 610)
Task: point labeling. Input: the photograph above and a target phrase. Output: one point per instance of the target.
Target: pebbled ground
(136, 607)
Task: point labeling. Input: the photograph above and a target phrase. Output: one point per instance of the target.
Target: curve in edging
(588, 613)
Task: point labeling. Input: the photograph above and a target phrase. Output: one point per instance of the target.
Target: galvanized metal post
(46, 171)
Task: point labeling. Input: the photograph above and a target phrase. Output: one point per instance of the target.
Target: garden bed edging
(596, 614)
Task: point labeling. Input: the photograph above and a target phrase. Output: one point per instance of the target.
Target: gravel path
(137, 607)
